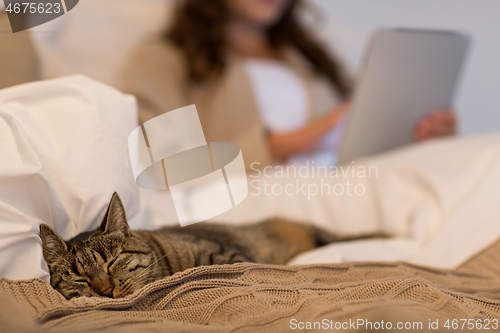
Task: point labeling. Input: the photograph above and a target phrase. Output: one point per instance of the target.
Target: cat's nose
(108, 292)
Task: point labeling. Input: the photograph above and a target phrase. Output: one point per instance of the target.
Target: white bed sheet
(439, 199)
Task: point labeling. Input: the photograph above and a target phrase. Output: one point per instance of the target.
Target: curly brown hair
(199, 30)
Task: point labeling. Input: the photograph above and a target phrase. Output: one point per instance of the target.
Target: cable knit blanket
(252, 297)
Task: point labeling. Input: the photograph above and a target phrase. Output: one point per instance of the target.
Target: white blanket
(440, 199)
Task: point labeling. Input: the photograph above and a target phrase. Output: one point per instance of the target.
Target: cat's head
(108, 262)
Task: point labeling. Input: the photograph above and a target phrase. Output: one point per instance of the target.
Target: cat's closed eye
(111, 264)
(83, 281)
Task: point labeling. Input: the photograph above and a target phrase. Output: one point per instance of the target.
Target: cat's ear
(53, 246)
(115, 220)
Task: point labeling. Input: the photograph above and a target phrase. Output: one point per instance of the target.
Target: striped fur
(114, 261)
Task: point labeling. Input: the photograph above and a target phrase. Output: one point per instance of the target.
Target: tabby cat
(114, 261)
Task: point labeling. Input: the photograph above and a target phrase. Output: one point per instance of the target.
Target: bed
(442, 263)
(64, 150)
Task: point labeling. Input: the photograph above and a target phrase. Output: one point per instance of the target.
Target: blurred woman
(258, 79)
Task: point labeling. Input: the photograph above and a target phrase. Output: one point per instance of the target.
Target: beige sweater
(227, 107)
(18, 61)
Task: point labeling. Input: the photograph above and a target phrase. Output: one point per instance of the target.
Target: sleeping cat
(114, 261)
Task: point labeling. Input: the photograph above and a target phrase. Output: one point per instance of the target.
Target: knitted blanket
(252, 297)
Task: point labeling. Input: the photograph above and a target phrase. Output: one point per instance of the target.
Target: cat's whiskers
(143, 281)
(141, 275)
(142, 278)
(175, 248)
(146, 269)
(146, 276)
(130, 285)
(126, 286)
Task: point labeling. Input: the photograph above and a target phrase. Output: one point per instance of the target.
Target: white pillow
(63, 153)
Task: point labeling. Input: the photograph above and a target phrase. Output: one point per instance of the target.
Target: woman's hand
(437, 124)
(283, 145)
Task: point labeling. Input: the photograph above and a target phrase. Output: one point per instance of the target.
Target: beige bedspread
(251, 297)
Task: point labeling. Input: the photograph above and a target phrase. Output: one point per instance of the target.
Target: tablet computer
(407, 74)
